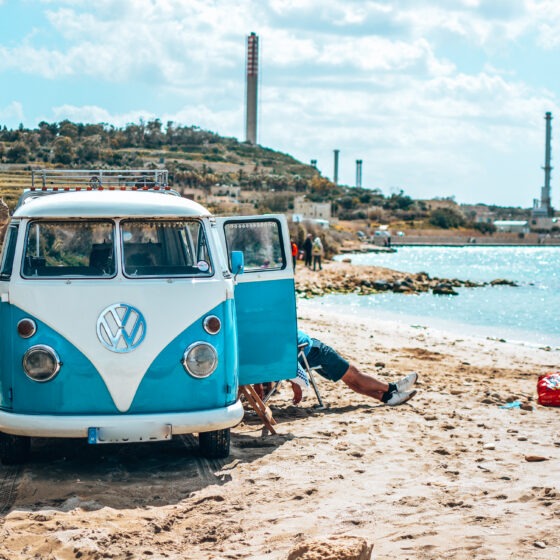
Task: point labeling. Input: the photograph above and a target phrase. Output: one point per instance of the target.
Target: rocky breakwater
(345, 278)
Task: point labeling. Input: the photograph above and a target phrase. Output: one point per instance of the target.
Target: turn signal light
(212, 324)
(26, 328)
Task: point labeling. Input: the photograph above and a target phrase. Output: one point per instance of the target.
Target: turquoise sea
(528, 313)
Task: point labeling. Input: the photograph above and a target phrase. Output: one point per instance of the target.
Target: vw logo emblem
(121, 327)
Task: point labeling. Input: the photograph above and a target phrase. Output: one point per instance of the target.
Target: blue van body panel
(267, 330)
(168, 387)
(79, 388)
(5, 355)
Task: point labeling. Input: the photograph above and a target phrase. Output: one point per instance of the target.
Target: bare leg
(298, 393)
(364, 384)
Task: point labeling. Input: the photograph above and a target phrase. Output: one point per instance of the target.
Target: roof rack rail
(99, 178)
(53, 181)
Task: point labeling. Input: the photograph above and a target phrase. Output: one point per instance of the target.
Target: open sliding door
(265, 300)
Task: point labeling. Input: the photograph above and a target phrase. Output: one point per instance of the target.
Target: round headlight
(26, 328)
(200, 359)
(212, 324)
(41, 363)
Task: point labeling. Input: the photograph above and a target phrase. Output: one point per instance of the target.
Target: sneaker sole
(412, 393)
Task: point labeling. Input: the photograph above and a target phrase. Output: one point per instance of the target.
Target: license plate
(130, 433)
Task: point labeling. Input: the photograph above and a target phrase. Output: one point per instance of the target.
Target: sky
(438, 98)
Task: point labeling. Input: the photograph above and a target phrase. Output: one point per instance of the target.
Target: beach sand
(448, 475)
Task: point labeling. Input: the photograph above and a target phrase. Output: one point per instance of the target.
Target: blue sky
(437, 97)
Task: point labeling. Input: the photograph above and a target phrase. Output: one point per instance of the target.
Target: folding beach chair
(257, 404)
(309, 370)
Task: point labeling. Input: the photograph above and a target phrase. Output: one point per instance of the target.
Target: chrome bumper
(39, 425)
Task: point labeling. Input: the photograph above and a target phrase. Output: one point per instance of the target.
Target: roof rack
(52, 181)
(100, 178)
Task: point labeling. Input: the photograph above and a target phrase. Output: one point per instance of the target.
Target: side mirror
(237, 263)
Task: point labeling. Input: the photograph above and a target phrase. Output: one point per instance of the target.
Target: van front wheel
(214, 445)
(14, 450)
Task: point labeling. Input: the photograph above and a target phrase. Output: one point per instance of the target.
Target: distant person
(334, 367)
(295, 252)
(317, 252)
(307, 248)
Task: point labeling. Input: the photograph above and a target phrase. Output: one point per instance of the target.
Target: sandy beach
(450, 474)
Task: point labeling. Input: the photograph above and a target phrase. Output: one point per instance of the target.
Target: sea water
(526, 313)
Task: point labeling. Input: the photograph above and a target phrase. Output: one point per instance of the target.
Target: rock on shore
(343, 277)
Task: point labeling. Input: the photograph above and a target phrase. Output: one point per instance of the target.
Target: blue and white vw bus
(131, 314)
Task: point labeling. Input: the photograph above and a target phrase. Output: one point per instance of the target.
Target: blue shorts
(333, 365)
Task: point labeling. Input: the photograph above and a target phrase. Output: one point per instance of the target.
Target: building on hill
(478, 213)
(512, 226)
(320, 212)
(544, 223)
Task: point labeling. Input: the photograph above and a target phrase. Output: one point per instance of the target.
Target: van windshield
(164, 248)
(8, 252)
(69, 249)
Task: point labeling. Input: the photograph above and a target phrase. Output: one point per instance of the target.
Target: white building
(512, 226)
(308, 210)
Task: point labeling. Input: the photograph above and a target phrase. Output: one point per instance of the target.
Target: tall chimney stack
(251, 87)
(359, 173)
(335, 174)
(545, 192)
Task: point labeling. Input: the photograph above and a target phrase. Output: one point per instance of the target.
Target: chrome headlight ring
(200, 360)
(41, 363)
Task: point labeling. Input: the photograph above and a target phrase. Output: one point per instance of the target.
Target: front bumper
(37, 425)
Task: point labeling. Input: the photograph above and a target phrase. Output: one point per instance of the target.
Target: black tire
(214, 445)
(14, 450)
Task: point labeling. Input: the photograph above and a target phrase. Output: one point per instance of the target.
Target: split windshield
(150, 248)
(69, 249)
(164, 248)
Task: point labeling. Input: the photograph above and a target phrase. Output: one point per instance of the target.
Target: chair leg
(262, 410)
(309, 371)
(321, 406)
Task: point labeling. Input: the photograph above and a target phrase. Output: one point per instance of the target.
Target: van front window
(164, 248)
(8, 252)
(72, 249)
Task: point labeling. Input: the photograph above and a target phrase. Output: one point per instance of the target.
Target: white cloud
(12, 112)
(373, 78)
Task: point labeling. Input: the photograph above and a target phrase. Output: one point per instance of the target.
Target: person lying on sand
(331, 365)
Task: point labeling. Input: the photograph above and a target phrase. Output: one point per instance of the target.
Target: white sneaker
(399, 397)
(406, 383)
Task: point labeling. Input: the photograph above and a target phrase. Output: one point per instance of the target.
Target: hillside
(195, 158)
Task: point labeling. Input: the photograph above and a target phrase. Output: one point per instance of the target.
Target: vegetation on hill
(199, 159)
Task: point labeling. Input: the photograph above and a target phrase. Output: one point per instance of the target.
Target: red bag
(548, 389)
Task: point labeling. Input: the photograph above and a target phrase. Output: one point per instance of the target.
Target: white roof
(511, 223)
(109, 204)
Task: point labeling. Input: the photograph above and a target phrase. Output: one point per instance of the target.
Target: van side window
(69, 249)
(164, 248)
(260, 241)
(8, 252)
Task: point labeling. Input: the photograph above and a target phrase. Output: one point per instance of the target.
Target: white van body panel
(85, 300)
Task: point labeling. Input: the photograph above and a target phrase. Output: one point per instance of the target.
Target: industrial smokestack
(252, 85)
(545, 192)
(335, 174)
(358, 172)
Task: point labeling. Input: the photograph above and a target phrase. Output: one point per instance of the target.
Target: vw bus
(131, 314)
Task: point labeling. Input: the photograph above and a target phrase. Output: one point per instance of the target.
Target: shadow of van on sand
(65, 474)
